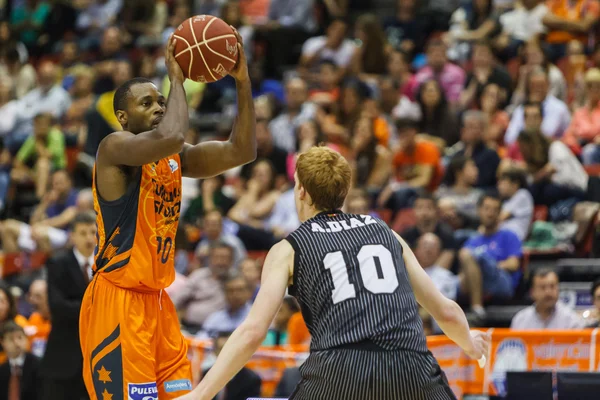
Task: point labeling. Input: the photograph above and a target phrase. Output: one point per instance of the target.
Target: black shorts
(355, 374)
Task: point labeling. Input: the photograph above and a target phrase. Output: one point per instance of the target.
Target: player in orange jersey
(130, 337)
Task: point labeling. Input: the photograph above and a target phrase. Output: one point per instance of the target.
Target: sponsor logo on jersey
(142, 391)
(231, 49)
(220, 69)
(173, 165)
(180, 384)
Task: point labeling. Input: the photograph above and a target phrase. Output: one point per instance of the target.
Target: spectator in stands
(417, 168)
(252, 210)
(534, 57)
(438, 121)
(450, 77)
(354, 102)
(266, 149)
(427, 221)
(82, 78)
(357, 202)
(237, 299)
(405, 30)
(111, 51)
(490, 259)
(284, 218)
(595, 292)
(28, 18)
(40, 154)
(47, 97)
(460, 190)
(398, 68)
(19, 376)
(213, 232)
(49, 222)
(15, 67)
(547, 312)
(498, 119)
(473, 21)
(203, 291)
(333, 46)
(8, 312)
(556, 173)
(393, 103)
(9, 106)
(522, 24)
(372, 161)
(517, 202)
(326, 80)
(244, 384)
(370, 57)
(473, 146)
(96, 17)
(297, 111)
(570, 20)
(584, 132)
(69, 273)
(211, 198)
(428, 251)
(38, 325)
(277, 334)
(251, 270)
(484, 72)
(555, 113)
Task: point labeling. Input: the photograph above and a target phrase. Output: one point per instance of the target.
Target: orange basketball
(206, 48)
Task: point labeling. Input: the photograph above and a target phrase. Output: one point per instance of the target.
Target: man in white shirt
(332, 46)
(556, 116)
(520, 25)
(517, 206)
(547, 312)
(428, 250)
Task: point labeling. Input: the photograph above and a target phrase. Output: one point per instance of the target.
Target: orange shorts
(132, 345)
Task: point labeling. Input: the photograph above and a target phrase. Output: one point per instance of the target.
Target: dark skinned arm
(212, 158)
(126, 148)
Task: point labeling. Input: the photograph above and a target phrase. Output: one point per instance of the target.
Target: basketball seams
(197, 45)
(191, 54)
(219, 54)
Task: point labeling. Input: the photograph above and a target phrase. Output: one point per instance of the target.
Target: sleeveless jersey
(352, 284)
(136, 233)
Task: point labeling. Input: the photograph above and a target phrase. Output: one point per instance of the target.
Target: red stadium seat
(540, 213)
(592, 170)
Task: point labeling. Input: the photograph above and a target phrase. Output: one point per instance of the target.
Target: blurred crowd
(472, 127)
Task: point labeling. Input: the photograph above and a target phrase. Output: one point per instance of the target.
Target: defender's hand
(173, 68)
(240, 71)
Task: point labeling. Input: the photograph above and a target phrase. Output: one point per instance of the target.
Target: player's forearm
(243, 135)
(235, 354)
(454, 324)
(176, 120)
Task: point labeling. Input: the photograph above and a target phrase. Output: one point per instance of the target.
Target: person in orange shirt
(298, 334)
(38, 326)
(8, 312)
(130, 335)
(570, 20)
(417, 166)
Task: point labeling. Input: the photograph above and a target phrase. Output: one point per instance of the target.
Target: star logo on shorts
(104, 375)
(106, 395)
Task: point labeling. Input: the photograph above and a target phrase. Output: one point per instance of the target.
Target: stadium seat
(592, 170)
(540, 213)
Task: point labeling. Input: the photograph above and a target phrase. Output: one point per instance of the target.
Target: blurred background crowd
(472, 126)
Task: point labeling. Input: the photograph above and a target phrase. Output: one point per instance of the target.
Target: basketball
(206, 48)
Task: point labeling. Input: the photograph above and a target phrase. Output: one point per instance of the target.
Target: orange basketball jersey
(136, 233)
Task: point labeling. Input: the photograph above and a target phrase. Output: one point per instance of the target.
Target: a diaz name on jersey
(352, 284)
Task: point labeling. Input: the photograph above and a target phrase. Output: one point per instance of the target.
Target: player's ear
(121, 117)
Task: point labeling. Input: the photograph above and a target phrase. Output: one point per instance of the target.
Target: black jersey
(352, 284)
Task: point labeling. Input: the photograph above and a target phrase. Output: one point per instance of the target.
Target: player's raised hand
(173, 68)
(480, 346)
(240, 71)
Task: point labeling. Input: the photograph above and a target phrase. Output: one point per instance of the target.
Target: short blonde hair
(326, 176)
